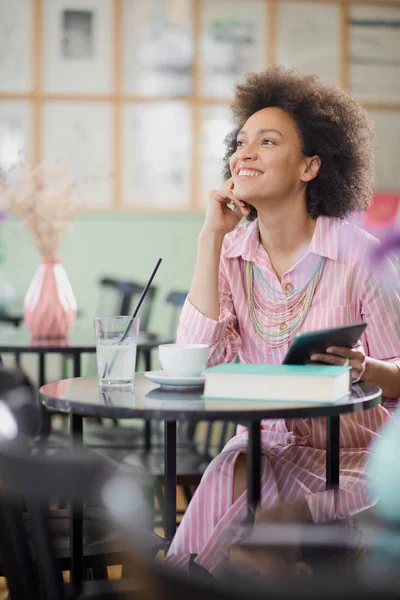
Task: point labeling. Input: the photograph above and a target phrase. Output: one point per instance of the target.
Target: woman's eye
(241, 143)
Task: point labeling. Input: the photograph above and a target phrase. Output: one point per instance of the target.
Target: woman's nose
(246, 152)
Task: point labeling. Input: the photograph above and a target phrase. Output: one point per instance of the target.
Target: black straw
(135, 312)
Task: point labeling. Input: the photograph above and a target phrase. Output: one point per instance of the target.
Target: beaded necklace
(278, 307)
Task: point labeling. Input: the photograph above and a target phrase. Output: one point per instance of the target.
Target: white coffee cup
(183, 360)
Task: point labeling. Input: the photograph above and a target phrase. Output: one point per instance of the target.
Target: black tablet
(316, 342)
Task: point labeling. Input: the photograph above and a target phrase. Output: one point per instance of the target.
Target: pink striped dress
(293, 463)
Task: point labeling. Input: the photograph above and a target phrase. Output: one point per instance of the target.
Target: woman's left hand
(353, 357)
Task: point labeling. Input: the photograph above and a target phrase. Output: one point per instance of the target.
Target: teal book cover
(284, 370)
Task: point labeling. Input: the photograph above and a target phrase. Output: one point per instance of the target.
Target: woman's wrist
(373, 368)
(366, 376)
(384, 374)
(210, 236)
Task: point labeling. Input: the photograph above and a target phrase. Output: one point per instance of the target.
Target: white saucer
(175, 383)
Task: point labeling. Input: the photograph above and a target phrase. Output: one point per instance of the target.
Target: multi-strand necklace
(284, 311)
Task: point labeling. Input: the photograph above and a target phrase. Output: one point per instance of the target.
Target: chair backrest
(176, 299)
(12, 319)
(210, 437)
(125, 294)
(16, 556)
(30, 483)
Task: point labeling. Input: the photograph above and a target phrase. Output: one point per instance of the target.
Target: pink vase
(50, 305)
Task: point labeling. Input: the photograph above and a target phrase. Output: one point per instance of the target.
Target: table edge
(55, 404)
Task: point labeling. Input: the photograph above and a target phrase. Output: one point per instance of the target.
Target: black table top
(80, 339)
(82, 396)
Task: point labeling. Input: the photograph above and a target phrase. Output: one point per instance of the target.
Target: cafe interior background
(133, 97)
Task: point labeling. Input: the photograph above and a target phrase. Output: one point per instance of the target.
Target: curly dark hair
(331, 124)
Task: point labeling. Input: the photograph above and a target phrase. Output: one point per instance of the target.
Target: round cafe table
(82, 397)
(80, 340)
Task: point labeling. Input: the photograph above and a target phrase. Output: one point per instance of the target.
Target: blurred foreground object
(384, 471)
(33, 554)
(382, 211)
(18, 397)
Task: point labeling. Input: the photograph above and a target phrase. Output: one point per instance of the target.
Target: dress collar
(324, 242)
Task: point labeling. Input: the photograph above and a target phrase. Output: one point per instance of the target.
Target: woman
(299, 161)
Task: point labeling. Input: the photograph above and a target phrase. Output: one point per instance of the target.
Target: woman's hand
(335, 355)
(220, 218)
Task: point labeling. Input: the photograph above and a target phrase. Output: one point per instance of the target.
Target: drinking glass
(116, 351)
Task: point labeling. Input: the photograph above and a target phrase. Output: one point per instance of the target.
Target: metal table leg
(254, 468)
(76, 519)
(147, 436)
(147, 360)
(77, 364)
(170, 479)
(42, 369)
(147, 424)
(45, 417)
(332, 452)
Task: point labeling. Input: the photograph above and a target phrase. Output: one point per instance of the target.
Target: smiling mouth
(247, 174)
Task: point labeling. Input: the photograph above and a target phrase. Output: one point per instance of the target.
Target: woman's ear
(303, 570)
(311, 168)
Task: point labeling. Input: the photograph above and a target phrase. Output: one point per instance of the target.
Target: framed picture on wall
(158, 47)
(77, 46)
(84, 143)
(15, 133)
(308, 38)
(386, 129)
(16, 40)
(215, 124)
(157, 151)
(375, 53)
(233, 42)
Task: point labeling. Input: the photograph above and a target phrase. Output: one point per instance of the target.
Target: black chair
(197, 444)
(176, 299)
(15, 319)
(31, 555)
(118, 297)
(19, 419)
(11, 319)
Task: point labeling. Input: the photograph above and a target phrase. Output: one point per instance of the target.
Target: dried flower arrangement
(45, 199)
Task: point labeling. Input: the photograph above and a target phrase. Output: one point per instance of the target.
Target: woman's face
(268, 163)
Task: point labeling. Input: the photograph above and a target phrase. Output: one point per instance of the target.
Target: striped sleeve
(328, 505)
(322, 506)
(222, 336)
(380, 307)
